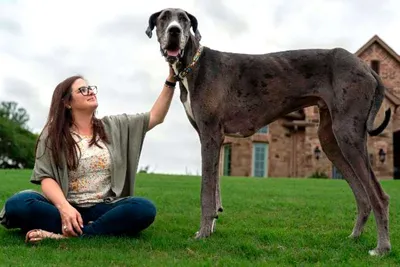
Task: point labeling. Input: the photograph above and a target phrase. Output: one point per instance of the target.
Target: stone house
(289, 147)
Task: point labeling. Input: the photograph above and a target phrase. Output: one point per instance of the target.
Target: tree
(10, 110)
(17, 143)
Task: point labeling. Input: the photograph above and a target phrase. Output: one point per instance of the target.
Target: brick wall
(389, 67)
(279, 150)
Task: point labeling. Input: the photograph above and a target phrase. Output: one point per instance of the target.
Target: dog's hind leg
(350, 132)
(211, 142)
(333, 152)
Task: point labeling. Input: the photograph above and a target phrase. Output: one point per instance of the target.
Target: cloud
(10, 26)
(26, 94)
(124, 27)
(223, 16)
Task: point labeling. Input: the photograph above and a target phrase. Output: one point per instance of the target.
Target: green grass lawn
(266, 222)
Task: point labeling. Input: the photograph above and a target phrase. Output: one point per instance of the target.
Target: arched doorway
(396, 155)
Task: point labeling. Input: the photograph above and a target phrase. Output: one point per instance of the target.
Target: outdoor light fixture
(382, 155)
(317, 152)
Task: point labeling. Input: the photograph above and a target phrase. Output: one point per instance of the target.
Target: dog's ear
(152, 23)
(193, 22)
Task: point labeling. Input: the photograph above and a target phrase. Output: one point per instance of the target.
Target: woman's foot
(37, 235)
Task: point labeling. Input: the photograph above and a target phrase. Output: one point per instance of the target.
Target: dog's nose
(174, 30)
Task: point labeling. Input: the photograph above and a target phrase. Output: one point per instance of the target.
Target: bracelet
(170, 84)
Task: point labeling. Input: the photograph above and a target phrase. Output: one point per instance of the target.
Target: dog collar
(181, 75)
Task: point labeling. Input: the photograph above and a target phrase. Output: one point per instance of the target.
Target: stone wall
(389, 66)
(279, 150)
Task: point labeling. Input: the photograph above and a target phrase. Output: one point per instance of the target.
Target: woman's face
(83, 96)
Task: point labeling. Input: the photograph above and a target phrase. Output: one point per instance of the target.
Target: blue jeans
(30, 210)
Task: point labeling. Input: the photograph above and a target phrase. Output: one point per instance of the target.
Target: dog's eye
(182, 17)
(166, 15)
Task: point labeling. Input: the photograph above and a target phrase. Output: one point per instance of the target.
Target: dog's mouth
(173, 52)
(176, 52)
(173, 55)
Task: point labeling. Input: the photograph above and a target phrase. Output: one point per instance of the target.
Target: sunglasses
(85, 90)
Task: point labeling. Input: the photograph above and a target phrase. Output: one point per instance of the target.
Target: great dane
(234, 94)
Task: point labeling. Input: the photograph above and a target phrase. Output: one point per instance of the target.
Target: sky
(43, 42)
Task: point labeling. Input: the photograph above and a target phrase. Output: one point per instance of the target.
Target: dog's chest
(186, 103)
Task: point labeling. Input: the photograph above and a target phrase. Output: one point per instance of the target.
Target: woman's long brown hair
(58, 126)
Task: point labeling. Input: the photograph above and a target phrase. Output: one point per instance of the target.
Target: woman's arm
(163, 102)
(70, 217)
(53, 192)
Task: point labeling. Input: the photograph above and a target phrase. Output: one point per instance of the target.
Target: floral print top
(90, 183)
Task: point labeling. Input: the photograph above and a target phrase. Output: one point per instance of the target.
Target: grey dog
(233, 94)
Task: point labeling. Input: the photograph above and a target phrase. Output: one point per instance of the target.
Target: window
(260, 159)
(263, 129)
(227, 159)
(375, 65)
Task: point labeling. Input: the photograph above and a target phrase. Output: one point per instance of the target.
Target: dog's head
(173, 31)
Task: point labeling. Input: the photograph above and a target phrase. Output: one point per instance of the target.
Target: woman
(86, 168)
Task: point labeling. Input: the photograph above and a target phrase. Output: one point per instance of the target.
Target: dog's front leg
(210, 147)
(218, 196)
(218, 202)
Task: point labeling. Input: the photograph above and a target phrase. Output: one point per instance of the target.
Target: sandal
(36, 235)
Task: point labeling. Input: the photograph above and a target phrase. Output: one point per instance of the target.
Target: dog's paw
(206, 230)
(379, 251)
(353, 236)
(374, 252)
(202, 234)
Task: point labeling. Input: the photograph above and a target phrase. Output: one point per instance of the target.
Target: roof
(393, 98)
(377, 39)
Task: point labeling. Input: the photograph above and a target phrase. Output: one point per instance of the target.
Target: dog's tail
(377, 102)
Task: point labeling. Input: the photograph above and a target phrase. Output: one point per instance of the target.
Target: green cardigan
(126, 135)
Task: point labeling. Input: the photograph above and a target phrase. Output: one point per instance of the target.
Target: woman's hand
(71, 219)
(171, 76)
